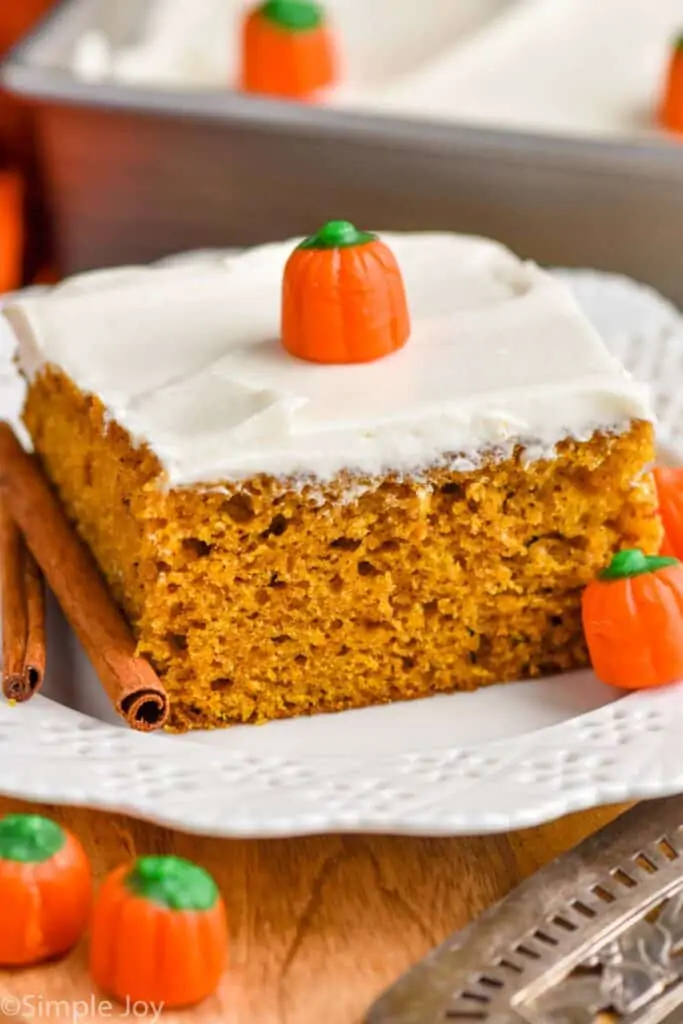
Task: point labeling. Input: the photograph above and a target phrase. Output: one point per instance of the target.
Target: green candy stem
(172, 882)
(294, 15)
(633, 562)
(678, 43)
(29, 838)
(337, 234)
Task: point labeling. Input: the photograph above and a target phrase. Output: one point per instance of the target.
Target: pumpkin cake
(287, 537)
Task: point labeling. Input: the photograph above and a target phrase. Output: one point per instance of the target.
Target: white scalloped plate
(503, 758)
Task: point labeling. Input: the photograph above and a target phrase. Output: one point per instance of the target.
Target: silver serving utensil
(597, 935)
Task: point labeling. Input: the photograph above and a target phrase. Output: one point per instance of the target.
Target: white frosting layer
(186, 357)
(196, 43)
(588, 66)
(563, 66)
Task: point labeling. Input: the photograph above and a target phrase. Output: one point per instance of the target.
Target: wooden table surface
(319, 926)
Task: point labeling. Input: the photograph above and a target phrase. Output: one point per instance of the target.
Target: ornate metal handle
(596, 935)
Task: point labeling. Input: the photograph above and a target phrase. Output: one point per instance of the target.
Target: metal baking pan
(134, 174)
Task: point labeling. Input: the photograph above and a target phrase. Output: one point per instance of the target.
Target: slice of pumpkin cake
(341, 472)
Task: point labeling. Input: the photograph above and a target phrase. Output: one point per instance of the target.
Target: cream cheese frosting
(196, 43)
(186, 357)
(588, 66)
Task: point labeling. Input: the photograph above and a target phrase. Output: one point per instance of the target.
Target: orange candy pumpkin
(11, 230)
(17, 18)
(671, 110)
(159, 933)
(45, 889)
(343, 298)
(669, 484)
(633, 621)
(288, 50)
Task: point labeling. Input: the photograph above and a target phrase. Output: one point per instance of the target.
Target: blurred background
(134, 129)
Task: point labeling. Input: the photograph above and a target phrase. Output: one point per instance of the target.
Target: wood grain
(320, 926)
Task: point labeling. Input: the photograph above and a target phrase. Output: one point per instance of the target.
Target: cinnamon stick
(23, 614)
(129, 680)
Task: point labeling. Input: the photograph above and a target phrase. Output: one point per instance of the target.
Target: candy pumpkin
(343, 298)
(17, 18)
(287, 50)
(633, 621)
(669, 484)
(45, 889)
(671, 110)
(159, 933)
(11, 230)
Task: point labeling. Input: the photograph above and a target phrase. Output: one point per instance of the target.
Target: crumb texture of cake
(262, 601)
(287, 538)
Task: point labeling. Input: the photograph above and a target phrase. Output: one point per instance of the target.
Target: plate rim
(645, 725)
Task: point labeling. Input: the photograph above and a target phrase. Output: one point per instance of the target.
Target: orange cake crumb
(269, 598)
